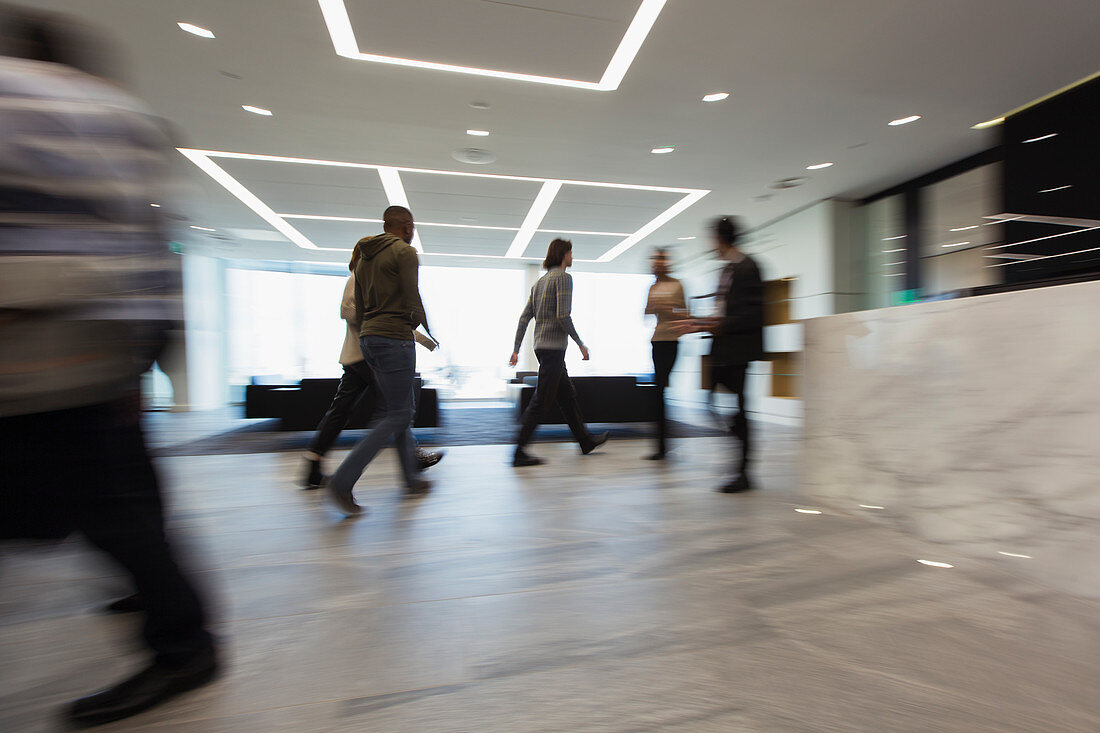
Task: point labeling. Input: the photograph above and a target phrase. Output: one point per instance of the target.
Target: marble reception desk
(974, 423)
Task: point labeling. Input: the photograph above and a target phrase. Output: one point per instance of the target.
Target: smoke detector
(474, 156)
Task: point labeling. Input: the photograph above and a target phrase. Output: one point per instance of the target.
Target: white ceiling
(810, 81)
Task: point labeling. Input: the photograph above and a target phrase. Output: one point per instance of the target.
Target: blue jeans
(393, 363)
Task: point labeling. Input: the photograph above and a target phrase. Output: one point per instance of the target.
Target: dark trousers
(87, 470)
(554, 386)
(355, 382)
(664, 358)
(732, 377)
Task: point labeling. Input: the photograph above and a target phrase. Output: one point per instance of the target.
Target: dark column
(912, 239)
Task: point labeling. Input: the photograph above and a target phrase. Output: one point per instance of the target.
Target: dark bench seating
(603, 399)
(301, 406)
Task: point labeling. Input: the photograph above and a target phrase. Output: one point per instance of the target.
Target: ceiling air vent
(474, 156)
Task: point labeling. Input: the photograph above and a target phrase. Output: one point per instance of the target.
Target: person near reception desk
(738, 334)
(666, 302)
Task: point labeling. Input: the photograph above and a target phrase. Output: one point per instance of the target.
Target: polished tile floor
(603, 593)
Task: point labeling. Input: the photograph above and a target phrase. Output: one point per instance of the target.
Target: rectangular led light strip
(535, 215)
(317, 217)
(344, 42)
(1048, 257)
(249, 199)
(662, 219)
(1043, 239)
(395, 193)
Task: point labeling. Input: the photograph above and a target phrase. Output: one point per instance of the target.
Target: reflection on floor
(597, 594)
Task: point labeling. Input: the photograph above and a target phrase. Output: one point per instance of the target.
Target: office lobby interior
(916, 182)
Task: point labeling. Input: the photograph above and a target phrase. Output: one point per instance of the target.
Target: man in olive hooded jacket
(388, 306)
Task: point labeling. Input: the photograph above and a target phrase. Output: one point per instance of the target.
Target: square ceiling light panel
(517, 204)
(337, 235)
(579, 209)
(465, 200)
(586, 247)
(449, 242)
(348, 192)
(570, 17)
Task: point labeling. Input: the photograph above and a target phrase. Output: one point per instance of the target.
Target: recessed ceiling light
(155, 206)
(1014, 554)
(989, 123)
(684, 239)
(195, 29)
(256, 110)
(808, 511)
(1041, 137)
(954, 244)
(479, 105)
(904, 120)
(891, 239)
(477, 133)
(1056, 188)
(662, 150)
(203, 229)
(894, 274)
(871, 506)
(817, 166)
(965, 229)
(716, 96)
(935, 564)
(889, 251)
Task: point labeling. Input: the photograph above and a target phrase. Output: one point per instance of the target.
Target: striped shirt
(87, 282)
(550, 304)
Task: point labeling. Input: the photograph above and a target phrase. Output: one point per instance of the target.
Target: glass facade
(284, 326)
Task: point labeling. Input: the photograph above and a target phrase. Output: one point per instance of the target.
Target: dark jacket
(387, 292)
(741, 337)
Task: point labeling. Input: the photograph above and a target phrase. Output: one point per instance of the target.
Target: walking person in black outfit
(356, 381)
(666, 301)
(551, 304)
(738, 330)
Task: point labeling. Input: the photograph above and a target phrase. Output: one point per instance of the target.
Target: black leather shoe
(522, 458)
(314, 477)
(737, 486)
(148, 688)
(427, 459)
(418, 488)
(597, 441)
(345, 503)
(658, 456)
(129, 604)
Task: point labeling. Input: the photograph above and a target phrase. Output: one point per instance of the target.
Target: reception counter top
(974, 423)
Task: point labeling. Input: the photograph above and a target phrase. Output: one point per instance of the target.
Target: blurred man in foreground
(87, 296)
